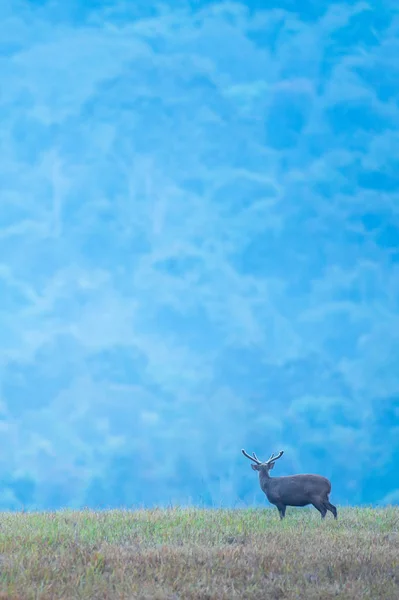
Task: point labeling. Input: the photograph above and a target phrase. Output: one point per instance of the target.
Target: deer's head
(265, 466)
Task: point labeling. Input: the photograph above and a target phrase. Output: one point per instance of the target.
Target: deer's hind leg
(331, 508)
(321, 508)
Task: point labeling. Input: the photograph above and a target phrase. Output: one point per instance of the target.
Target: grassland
(200, 554)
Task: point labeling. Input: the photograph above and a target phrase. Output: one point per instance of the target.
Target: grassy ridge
(200, 554)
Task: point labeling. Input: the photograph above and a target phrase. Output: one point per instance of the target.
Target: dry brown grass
(200, 554)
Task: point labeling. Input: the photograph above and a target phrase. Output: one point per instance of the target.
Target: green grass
(200, 554)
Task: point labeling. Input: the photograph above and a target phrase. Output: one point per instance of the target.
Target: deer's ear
(271, 466)
(255, 467)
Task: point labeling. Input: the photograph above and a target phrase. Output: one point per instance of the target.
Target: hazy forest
(199, 249)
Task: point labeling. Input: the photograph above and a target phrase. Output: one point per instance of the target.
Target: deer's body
(293, 490)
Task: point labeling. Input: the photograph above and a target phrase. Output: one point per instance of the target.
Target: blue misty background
(199, 250)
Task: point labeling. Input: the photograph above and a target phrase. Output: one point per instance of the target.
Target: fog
(199, 250)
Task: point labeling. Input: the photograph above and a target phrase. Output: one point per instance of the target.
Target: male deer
(292, 490)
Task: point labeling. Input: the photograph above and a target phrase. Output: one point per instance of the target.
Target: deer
(292, 490)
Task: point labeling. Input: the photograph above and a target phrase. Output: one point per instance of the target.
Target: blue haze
(199, 249)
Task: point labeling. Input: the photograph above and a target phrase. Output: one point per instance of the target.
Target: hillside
(200, 554)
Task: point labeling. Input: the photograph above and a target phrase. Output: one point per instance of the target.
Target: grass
(200, 554)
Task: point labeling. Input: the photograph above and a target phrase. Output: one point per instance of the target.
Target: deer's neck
(264, 479)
